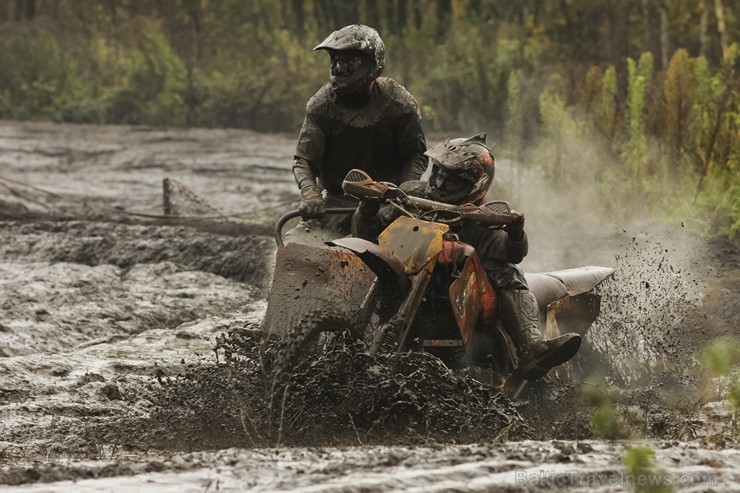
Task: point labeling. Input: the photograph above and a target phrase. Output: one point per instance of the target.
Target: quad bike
(417, 288)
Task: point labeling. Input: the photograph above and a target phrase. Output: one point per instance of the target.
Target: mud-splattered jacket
(497, 252)
(383, 137)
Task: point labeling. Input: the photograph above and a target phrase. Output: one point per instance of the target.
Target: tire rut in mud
(95, 311)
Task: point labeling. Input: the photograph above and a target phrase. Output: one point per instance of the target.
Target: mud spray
(658, 311)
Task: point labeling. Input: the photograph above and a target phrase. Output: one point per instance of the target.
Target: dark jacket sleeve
(309, 152)
(495, 245)
(412, 145)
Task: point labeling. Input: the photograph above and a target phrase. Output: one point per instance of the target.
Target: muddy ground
(131, 357)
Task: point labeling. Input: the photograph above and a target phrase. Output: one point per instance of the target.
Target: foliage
(467, 77)
(154, 81)
(720, 356)
(679, 92)
(36, 75)
(560, 151)
(635, 150)
(573, 88)
(721, 359)
(605, 422)
(642, 474)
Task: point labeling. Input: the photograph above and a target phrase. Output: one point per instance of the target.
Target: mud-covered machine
(377, 291)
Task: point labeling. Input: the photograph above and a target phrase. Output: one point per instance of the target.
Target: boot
(520, 314)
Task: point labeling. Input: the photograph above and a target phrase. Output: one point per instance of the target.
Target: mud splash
(646, 325)
(344, 397)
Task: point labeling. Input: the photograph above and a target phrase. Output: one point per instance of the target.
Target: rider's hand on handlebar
(312, 203)
(516, 227)
(368, 208)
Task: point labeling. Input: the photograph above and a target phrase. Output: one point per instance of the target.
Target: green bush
(642, 474)
(605, 422)
(34, 75)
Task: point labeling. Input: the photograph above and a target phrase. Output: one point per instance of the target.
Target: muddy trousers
(520, 314)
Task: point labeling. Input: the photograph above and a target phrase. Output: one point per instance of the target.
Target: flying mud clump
(646, 325)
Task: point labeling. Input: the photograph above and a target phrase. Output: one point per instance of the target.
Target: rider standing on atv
(462, 173)
(358, 120)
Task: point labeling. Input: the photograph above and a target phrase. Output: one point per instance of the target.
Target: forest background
(639, 97)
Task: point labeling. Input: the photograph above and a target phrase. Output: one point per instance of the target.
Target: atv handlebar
(296, 213)
(357, 183)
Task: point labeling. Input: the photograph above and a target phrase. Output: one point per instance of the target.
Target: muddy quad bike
(417, 288)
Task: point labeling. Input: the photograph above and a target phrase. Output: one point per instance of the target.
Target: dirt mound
(241, 255)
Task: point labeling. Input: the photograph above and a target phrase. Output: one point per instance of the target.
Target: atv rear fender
(565, 299)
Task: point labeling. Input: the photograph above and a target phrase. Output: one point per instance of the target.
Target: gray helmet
(361, 38)
(463, 169)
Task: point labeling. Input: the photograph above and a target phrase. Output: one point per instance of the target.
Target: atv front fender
(389, 269)
(309, 279)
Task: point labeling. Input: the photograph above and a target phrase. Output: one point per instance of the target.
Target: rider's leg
(520, 315)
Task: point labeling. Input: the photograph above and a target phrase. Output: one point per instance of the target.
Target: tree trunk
(444, 17)
(703, 28)
(25, 10)
(324, 18)
(390, 17)
(402, 13)
(345, 13)
(648, 23)
(5, 10)
(664, 36)
(719, 11)
(112, 7)
(373, 16)
(618, 28)
(418, 17)
(299, 16)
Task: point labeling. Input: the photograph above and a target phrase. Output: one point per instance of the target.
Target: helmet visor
(350, 70)
(448, 187)
(346, 63)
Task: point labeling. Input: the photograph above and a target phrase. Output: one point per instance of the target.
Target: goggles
(448, 184)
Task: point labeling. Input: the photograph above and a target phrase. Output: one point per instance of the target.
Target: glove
(515, 228)
(387, 214)
(416, 188)
(368, 208)
(312, 203)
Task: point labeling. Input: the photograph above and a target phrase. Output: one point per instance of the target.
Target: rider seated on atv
(462, 173)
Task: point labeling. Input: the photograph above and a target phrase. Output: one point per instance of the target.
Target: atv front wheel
(312, 334)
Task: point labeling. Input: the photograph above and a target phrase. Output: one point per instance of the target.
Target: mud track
(131, 360)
